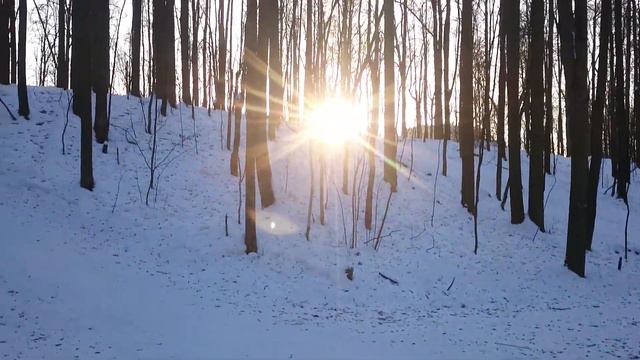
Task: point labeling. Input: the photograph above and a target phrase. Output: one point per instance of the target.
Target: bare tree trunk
(263, 164)
(185, 45)
(195, 15)
(62, 72)
(512, 31)
(597, 115)
(536, 86)
(390, 142)
(100, 67)
(222, 59)
(23, 99)
(502, 75)
(573, 49)
(81, 70)
(548, 79)
(253, 116)
(276, 89)
(136, 27)
(622, 119)
(6, 11)
(437, 68)
(466, 105)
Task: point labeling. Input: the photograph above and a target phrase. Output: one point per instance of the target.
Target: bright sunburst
(336, 121)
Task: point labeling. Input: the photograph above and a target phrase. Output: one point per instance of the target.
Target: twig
(435, 185)
(8, 110)
(515, 346)
(394, 282)
(66, 122)
(450, 285)
(113, 209)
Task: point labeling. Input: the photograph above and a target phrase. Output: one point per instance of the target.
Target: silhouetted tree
(390, 135)
(23, 99)
(466, 105)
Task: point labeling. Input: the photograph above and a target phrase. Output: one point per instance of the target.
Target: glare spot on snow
(273, 225)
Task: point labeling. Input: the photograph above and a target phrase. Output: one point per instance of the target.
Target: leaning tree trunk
(512, 31)
(466, 105)
(23, 99)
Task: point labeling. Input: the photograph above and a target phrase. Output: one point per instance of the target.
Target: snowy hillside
(101, 275)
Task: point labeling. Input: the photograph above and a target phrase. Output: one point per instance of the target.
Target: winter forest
(319, 179)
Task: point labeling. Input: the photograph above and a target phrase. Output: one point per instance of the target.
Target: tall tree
(136, 28)
(263, 164)
(195, 15)
(276, 90)
(23, 99)
(512, 31)
(502, 78)
(622, 118)
(573, 51)
(535, 82)
(100, 67)
(390, 144)
(62, 72)
(252, 115)
(597, 116)
(222, 58)
(437, 68)
(81, 77)
(6, 10)
(185, 46)
(466, 105)
(548, 94)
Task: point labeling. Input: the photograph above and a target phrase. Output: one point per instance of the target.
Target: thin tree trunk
(253, 116)
(185, 46)
(502, 75)
(136, 26)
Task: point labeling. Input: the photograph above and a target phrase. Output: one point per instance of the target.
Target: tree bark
(81, 72)
(185, 45)
(512, 30)
(573, 50)
(536, 86)
(597, 115)
(136, 28)
(390, 135)
(100, 67)
(466, 105)
(23, 99)
(252, 115)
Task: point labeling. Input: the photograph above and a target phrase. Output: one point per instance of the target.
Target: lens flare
(336, 121)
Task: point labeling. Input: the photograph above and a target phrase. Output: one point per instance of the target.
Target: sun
(336, 121)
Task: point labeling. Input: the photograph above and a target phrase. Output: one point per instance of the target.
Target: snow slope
(100, 275)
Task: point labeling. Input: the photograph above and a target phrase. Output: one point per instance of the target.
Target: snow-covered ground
(100, 275)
